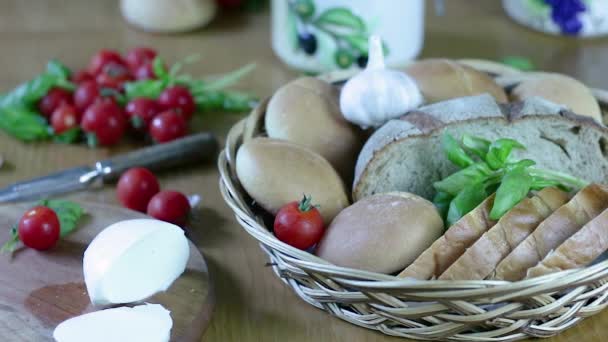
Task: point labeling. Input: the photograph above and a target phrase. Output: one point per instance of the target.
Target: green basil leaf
(454, 152)
(499, 152)
(340, 17)
(57, 69)
(457, 181)
(476, 145)
(520, 163)
(442, 203)
(11, 245)
(466, 200)
(145, 88)
(68, 137)
(514, 187)
(23, 124)
(68, 212)
(158, 65)
(519, 62)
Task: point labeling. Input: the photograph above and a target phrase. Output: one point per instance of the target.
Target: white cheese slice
(143, 323)
(132, 260)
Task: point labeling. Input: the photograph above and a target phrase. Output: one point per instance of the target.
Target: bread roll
(276, 172)
(481, 258)
(443, 252)
(381, 233)
(559, 226)
(560, 89)
(307, 112)
(579, 250)
(443, 79)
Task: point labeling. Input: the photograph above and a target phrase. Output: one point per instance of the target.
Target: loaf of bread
(577, 251)
(560, 89)
(443, 79)
(559, 226)
(381, 233)
(406, 154)
(445, 250)
(481, 258)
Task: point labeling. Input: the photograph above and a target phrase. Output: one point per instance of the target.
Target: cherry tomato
(139, 56)
(53, 99)
(179, 98)
(39, 228)
(144, 72)
(167, 126)
(82, 76)
(86, 93)
(136, 187)
(104, 122)
(170, 206)
(113, 76)
(103, 57)
(299, 224)
(64, 118)
(141, 111)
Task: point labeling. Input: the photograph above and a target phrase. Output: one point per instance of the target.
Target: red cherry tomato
(86, 93)
(53, 99)
(170, 206)
(64, 118)
(138, 56)
(39, 228)
(144, 72)
(102, 58)
(141, 111)
(113, 77)
(178, 98)
(136, 187)
(82, 76)
(167, 126)
(104, 122)
(299, 224)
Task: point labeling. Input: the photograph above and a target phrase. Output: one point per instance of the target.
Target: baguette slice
(445, 250)
(482, 257)
(579, 250)
(563, 223)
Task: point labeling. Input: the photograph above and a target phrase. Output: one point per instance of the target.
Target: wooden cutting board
(39, 290)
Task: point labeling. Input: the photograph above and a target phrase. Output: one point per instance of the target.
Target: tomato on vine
(104, 122)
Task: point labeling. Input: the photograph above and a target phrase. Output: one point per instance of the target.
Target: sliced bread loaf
(481, 258)
(559, 226)
(406, 155)
(445, 250)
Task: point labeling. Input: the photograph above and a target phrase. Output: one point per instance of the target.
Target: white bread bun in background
(381, 233)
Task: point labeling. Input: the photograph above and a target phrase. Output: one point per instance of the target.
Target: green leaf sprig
(488, 167)
(209, 94)
(68, 212)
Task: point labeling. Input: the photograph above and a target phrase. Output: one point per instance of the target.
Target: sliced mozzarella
(143, 323)
(132, 260)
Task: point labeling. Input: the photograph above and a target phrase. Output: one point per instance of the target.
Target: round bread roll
(276, 172)
(560, 89)
(307, 112)
(443, 79)
(381, 233)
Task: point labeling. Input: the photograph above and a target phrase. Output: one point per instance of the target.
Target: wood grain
(252, 304)
(42, 289)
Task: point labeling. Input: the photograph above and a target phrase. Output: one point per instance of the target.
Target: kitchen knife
(188, 150)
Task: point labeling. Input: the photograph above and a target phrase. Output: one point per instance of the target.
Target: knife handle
(189, 150)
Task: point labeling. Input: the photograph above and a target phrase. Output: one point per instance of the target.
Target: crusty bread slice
(481, 258)
(559, 226)
(445, 250)
(579, 250)
(406, 154)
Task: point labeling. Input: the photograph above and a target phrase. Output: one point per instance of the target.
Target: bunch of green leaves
(208, 94)
(68, 212)
(19, 116)
(487, 167)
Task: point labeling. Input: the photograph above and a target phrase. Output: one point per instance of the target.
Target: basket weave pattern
(481, 310)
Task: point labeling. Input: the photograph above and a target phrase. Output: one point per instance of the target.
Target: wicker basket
(482, 310)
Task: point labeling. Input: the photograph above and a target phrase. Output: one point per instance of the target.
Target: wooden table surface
(251, 304)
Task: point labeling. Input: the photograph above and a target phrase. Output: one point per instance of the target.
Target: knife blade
(192, 149)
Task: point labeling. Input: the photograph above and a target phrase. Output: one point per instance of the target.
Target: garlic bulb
(377, 94)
